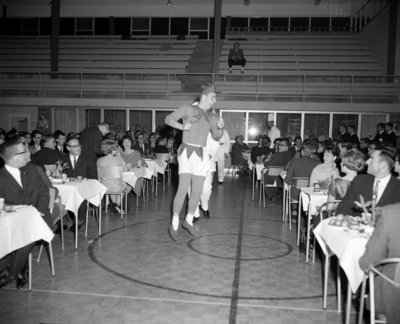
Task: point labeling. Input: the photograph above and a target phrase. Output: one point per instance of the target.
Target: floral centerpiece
(60, 168)
(370, 212)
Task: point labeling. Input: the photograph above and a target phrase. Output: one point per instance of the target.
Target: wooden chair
(372, 272)
(110, 173)
(273, 171)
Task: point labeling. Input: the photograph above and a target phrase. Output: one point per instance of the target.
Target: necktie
(375, 191)
(74, 162)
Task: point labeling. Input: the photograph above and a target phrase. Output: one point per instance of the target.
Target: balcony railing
(249, 87)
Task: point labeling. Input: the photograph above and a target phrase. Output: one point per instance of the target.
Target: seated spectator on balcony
(389, 136)
(324, 173)
(236, 57)
(261, 150)
(48, 154)
(237, 154)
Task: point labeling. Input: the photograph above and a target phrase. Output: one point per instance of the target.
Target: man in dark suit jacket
(48, 154)
(389, 136)
(20, 184)
(144, 148)
(301, 167)
(385, 243)
(60, 142)
(379, 179)
(80, 164)
(91, 138)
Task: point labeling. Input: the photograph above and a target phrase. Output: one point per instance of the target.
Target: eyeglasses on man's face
(77, 145)
(19, 153)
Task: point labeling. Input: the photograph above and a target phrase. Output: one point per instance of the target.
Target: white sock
(175, 222)
(189, 219)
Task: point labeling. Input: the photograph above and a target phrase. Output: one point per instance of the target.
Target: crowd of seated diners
(348, 168)
(81, 154)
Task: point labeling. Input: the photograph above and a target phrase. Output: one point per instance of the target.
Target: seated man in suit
(301, 167)
(385, 243)
(379, 182)
(280, 159)
(48, 154)
(80, 164)
(60, 141)
(145, 149)
(237, 158)
(20, 184)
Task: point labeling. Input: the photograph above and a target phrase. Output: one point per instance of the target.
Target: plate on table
(54, 180)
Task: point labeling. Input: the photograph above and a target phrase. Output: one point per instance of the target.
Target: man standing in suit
(379, 182)
(91, 138)
(80, 164)
(385, 243)
(20, 184)
(389, 136)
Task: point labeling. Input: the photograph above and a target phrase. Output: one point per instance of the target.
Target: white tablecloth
(347, 246)
(74, 193)
(156, 166)
(131, 176)
(311, 200)
(20, 228)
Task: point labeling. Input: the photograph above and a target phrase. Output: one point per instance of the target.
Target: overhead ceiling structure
(192, 8)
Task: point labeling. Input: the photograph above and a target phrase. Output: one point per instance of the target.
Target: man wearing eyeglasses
(36, 137)
(281, 159)
(20, 184)
(80, 164)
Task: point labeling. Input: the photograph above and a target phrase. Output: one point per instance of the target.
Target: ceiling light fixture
(169, 3)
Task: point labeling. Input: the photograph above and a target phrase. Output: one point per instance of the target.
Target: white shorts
(194, 165)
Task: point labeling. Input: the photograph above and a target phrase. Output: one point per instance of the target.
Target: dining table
(348, 245)
(74, 192)
(310, 200)
(156, 166)
(20, 227)
(132, 175)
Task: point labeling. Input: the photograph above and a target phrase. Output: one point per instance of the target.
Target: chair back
(163, 156)
(52, 192)
(301, 182)
(275, 171)
(109, 172)
(50, 167)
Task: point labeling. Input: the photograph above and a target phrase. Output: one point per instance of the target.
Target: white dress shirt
(16, 173)
(382, 186)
